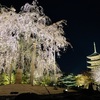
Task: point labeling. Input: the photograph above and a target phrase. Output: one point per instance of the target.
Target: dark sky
(83, 19)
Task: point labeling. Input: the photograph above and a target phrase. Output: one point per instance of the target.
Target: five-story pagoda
(93, 59)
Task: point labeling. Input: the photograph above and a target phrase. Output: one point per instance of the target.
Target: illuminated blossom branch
(18, 32)
(95, 73)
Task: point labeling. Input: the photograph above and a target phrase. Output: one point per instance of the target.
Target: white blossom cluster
(18, 32)
(95, 73)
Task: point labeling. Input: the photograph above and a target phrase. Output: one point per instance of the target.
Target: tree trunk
(32, 68)
(18, 78)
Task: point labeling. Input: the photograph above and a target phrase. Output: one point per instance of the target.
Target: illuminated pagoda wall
(93, 59)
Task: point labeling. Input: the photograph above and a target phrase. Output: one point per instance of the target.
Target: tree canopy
(20, 31)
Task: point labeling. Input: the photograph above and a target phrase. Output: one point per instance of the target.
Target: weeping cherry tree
(30, 41)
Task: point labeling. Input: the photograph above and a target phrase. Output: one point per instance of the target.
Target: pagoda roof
(96, 62)
(94, 54)
(95, 66)
(93, 60)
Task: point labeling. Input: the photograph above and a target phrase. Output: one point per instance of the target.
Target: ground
(15, 89)
(9, 92)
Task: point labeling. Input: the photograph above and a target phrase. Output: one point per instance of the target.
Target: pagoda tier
(94, 62)
(93, 67)
(94, 56)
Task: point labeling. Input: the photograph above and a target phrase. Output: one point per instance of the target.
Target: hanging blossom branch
(30, 25)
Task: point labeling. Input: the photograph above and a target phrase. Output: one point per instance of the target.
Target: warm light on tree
(83, 80)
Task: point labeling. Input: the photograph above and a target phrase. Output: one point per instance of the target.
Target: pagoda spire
(95, 51)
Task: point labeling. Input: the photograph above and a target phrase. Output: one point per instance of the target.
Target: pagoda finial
(95, 51)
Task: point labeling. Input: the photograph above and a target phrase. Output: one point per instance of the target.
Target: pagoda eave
(94, 57)
(92, 67)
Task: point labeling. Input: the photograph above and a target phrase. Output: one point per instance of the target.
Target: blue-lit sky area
(83, 28)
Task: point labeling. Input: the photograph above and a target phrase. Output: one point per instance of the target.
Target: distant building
(93, 59)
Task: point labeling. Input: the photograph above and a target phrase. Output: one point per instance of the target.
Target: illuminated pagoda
(93, 59)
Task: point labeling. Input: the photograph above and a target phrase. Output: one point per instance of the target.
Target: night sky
(83, 19)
